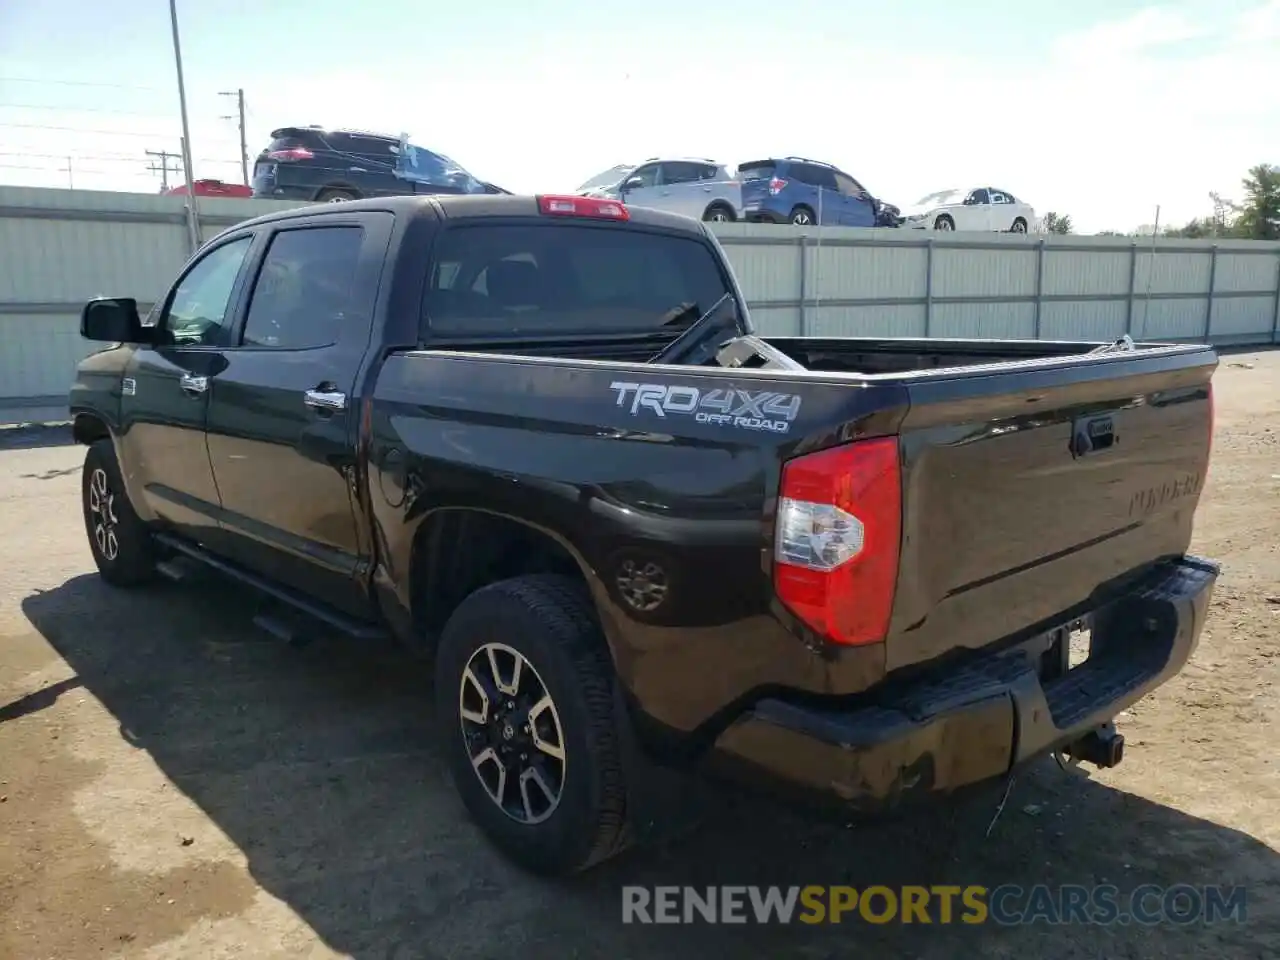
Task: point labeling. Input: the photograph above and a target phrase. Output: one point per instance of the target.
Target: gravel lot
(174, 783)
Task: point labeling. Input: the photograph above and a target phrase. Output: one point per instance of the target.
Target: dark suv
(807, 192)
(330, 166)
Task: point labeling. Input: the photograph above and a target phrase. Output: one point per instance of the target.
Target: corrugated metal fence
(60, 247)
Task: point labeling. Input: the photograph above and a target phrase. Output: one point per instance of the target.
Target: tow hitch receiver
(1102, 747)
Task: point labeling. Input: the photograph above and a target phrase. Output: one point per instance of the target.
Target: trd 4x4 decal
(730, 407)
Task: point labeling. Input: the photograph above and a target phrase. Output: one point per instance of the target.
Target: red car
(213, 188)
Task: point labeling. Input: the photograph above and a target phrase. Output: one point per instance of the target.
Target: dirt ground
(175, 784)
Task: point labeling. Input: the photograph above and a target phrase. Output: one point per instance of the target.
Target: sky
(1100, 109)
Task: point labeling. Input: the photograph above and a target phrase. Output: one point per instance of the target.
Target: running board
(274, 624)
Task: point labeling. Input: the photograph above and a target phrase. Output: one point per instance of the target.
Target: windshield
(553, 279)
(609, 178)
(421, 165)
(940, 198)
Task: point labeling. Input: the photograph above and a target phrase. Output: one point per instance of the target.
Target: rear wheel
(122, 546)
(1019, 226)
(718, 213)
(802, 217)
(334, 195)
(524, 693)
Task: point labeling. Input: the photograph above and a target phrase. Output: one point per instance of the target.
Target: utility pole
(71, 180)
(244, 145)
(193, 218)
(164, 168)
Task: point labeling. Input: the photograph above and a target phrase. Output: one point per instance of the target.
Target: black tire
(334, 195)
(802, 217)
(549, 620)
(121, 544)
(944, 222)
(1019, 226)
(719, 213)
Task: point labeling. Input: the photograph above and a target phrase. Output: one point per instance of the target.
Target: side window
(681, 172)
(1000, 196)
(648, 176)
(197, 311)
(303, 293)
(816, 176)
(849, 186)
(978, 196)
(709, 171)
(377, 147)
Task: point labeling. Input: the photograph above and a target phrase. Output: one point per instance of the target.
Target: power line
(62, 109)
(76, 83)
(109, 133)
(45, 126)
(102, 157)
(78, 169)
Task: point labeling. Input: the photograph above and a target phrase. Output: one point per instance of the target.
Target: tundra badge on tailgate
(763, 410)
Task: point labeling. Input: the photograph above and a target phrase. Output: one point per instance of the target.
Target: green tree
(1258, 217)
(1194, 229)
(1059, 223)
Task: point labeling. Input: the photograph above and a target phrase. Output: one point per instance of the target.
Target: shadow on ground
(319, 765)
(30, 436)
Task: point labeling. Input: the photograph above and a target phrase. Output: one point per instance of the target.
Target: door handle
(192, 384)
(325, 399)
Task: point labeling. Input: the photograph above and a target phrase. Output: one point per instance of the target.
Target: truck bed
(1036, 479)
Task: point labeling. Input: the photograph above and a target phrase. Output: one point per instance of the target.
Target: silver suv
(694, 186)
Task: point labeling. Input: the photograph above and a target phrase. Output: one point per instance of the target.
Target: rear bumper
(977, 721)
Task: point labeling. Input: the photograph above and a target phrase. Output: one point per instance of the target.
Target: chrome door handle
(325, 399)
(194, 384)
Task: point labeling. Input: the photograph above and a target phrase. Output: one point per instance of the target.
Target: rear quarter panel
(561, 446)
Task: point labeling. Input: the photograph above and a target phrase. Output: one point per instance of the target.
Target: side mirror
(113, 320)
(635, 183)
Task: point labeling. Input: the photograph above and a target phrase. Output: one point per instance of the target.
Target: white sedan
(983, 208)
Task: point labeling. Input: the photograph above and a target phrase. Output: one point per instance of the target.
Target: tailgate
(1033, 490)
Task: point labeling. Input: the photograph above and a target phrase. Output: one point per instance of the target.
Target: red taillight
(777, 185)
(595, 207)
(292, 153)
(837, 539)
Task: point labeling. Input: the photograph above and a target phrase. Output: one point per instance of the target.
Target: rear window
(756, 171)
(287, 143)
(554, 279)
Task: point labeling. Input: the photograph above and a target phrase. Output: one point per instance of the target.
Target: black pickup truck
(537, 439)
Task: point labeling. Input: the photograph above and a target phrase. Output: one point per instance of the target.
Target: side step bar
(272, 623)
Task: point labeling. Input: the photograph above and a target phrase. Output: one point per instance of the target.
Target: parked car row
(799, 191)
(313, 163)
(775, 190)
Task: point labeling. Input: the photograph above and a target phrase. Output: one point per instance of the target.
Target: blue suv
(807, 192)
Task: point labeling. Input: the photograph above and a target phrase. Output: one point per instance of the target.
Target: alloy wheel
(802, 219)
(512, 732)
(102, 505)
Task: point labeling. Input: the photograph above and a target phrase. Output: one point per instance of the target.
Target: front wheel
(944, 223)
(524, 693)
(122, 546)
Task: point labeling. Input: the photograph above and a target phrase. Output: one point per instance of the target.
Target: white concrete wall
(61, 247)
